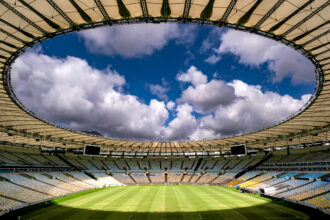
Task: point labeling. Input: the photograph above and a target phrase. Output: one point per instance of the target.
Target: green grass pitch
(163, 202)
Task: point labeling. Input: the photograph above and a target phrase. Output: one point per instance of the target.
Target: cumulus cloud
(135, 40)
(210, 42)
(193, 76)
(213, 59)
(183, 125)
(254, 50)
(254, 110)
(68, 91)
(231, 108)
(160, 90)
(170, 105)
(203, 95)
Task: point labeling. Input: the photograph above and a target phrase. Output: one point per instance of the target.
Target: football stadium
(278, 172)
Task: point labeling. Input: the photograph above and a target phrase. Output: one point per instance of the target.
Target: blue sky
(184, 82)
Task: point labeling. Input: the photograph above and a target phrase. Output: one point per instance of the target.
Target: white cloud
(203, 134)
(255, 50)
(254, 110)
(70, 92)
(235, 107)
(193, 76)
(135, 40)
(205, 96)
(213, 59)
(170, 105)
(183, 125)
(159, 91)
(211, 40)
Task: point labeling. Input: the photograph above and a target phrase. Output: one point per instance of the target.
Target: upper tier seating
(312, 175)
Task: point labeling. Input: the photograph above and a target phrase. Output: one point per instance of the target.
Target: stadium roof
(301, 24)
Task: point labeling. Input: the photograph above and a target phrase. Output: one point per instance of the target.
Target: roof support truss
(23, 17)
(186, 10)
(102, 9)
(278, 25)
(315, 38)
(306, 18)
(59, 10)
(228, 10)
(269, 13)
(310, 31)
(144, 8)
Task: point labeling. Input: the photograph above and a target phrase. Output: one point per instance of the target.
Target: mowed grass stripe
(100, 204)
(172, 203)
(120, 204)
(110, 207)
(76, 206)
(218, 203)
(175, 201)
(151, 199)
(251, 206)
(270, 209)
(236, 203)
(137, 201)
(158, 204)
(106, 201)
(283, 209)
(164, 202)
(188, 203)
(91, 200)
(261, 205)
(49, 211)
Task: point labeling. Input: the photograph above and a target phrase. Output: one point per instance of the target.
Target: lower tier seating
(44, 176)
(322, 201)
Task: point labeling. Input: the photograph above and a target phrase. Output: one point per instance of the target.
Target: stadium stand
(124, 178)
(106, 179)
(223, 179)
(308, 191)
(157, 178)
(65, 174)
(243, 178)
(195, 178)
(174, 178)
(294, 144)
(6, 203)
(20, 193)
(322, 201)
(140, 178)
